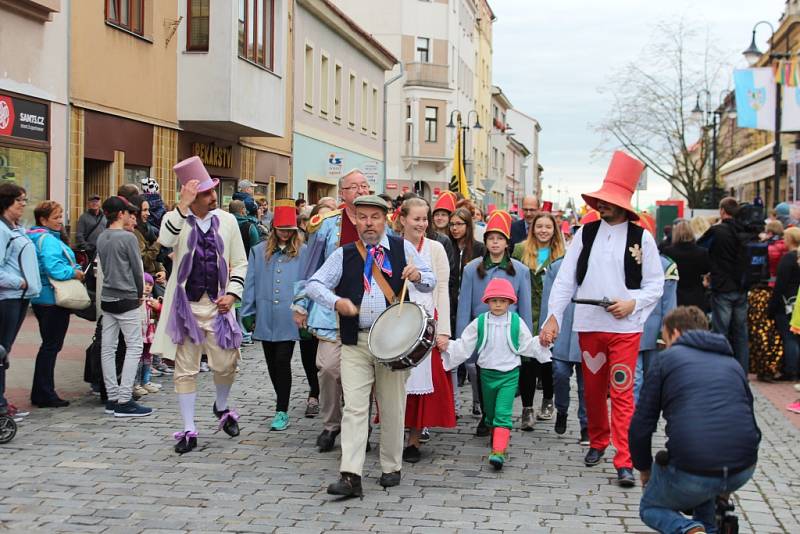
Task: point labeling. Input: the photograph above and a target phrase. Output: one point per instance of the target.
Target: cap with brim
(373, 201)
(117, 204)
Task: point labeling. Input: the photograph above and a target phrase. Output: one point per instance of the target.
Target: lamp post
(753, 55)
(464, 128)
(711, 119)
(410, 124)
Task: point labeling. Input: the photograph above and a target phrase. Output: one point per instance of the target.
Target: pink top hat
(193, 169)
(499, 288)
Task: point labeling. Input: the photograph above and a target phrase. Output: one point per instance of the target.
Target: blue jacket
(668, 302)
(18, 262)
(249, 202)
(470, 304)
(707, 403)
(56, 261)
(268, 291)
(566, 347)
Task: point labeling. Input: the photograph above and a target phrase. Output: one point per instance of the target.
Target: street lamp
(709, 119)
(464, 128)
(410, 124)
(753, 55)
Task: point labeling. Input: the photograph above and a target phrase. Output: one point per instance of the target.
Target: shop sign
(213, 155)
(23, 118)
(371, 170)
(335, 165)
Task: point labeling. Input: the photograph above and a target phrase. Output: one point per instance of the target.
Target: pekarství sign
(213, 155)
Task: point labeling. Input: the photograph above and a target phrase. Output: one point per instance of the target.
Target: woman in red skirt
(429, 401)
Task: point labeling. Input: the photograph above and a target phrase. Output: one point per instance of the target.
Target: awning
(752, 167)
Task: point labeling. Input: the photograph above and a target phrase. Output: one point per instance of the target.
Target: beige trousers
(329, 357)
(187, 358)
(360, 370)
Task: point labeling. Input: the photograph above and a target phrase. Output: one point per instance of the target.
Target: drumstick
(402, 294)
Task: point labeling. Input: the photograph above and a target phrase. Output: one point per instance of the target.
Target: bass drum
(402, 336)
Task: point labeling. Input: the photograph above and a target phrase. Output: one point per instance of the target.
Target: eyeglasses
(453, 224)
(21, 200)
(360, 187)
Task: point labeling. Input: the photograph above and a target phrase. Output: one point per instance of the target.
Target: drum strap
(377, 275)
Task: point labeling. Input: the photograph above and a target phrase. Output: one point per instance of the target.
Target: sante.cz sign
(213, 155)
(23, 118)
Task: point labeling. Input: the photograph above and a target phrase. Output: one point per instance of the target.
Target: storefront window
(27, 168)
(134, 174)
(227, 189)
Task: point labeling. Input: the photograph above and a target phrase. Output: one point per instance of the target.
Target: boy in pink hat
(500, 337)
(197, 316)
(609, 259)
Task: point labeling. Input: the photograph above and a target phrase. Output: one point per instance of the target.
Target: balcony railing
(427, 75)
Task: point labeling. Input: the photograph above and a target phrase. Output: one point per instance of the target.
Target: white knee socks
(186, 403)
(223, 390)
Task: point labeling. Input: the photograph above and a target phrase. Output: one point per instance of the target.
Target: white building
(526, 131)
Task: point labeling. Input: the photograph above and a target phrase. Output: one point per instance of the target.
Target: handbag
(70, 294)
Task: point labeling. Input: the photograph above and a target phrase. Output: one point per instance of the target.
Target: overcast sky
(551, 58)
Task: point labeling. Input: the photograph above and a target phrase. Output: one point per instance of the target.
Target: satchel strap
(377, 275)
(63, 248)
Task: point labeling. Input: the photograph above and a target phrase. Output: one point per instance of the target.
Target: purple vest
(204, 277)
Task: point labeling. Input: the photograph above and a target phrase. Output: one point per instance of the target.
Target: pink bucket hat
(499, 288)
(193, 169)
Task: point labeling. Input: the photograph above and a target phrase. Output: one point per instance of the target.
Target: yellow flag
(458, 179)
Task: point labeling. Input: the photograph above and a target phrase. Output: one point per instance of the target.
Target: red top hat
(193, 169)
(547, 206)
(446, 202)
(285, 215)
(619, 184)
(499, 221)
(499, 288)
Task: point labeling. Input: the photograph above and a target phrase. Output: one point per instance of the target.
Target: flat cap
(372, 200)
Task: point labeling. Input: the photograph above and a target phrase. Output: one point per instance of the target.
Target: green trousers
(499, 389)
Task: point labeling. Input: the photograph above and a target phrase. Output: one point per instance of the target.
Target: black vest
(351, 285)
(633, 269)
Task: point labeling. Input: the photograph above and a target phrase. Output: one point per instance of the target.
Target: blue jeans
(642, 364)
(671, 490)
(729, 318)
(562, 372)
(12, 314)
(791, 345)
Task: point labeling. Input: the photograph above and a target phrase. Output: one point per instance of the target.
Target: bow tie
(375, 254)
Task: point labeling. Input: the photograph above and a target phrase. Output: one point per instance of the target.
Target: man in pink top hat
(615, 267)
(197, 316)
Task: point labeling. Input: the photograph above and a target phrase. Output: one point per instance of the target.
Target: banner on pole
(755, 98)
(458, 180)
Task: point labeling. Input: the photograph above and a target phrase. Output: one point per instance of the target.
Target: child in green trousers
(500, 337)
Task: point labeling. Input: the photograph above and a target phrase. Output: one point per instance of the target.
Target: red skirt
(433, 410)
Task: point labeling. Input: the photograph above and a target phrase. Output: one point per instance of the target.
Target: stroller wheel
(8, 429)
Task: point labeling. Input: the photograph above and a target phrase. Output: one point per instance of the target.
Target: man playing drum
(359, 281)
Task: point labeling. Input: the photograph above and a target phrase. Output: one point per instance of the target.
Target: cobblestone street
(78, 470)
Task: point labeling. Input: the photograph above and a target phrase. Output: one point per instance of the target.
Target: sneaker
(152, 388)
(561, 423)
(546, 413)
(424, 436)
(625, 477)
(476, 410)
(111, 406)
(794, 407)
(312, 408)
(131, 409)
(280, 421)
(584, 437)
(593, 457)
(247, 343)
(527, 420)
(96, 390)
(155, 372)
(140, 391)
(13, 411)
(497, 459)
(204, 367)
(164, 368)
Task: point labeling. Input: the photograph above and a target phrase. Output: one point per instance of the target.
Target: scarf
(376, 254)
(182, 323)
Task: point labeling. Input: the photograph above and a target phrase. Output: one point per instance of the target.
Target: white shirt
(496, 354)
(205, 223)
(605, 277)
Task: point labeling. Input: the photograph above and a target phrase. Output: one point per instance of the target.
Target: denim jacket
(18, 263)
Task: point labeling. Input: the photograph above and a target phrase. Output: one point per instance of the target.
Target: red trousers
(609, 366)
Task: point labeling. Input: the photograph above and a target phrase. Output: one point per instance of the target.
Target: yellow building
(483, 92)
(123, 96)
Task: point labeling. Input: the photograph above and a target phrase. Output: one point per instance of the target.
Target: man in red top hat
(616, 269)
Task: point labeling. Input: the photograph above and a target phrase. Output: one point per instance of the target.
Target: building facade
(526, 131)
(438, 44)
(338, 100)
(498, 193)
(483, 93)
(33, 98)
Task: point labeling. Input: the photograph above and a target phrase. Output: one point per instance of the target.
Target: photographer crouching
(712, 435)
